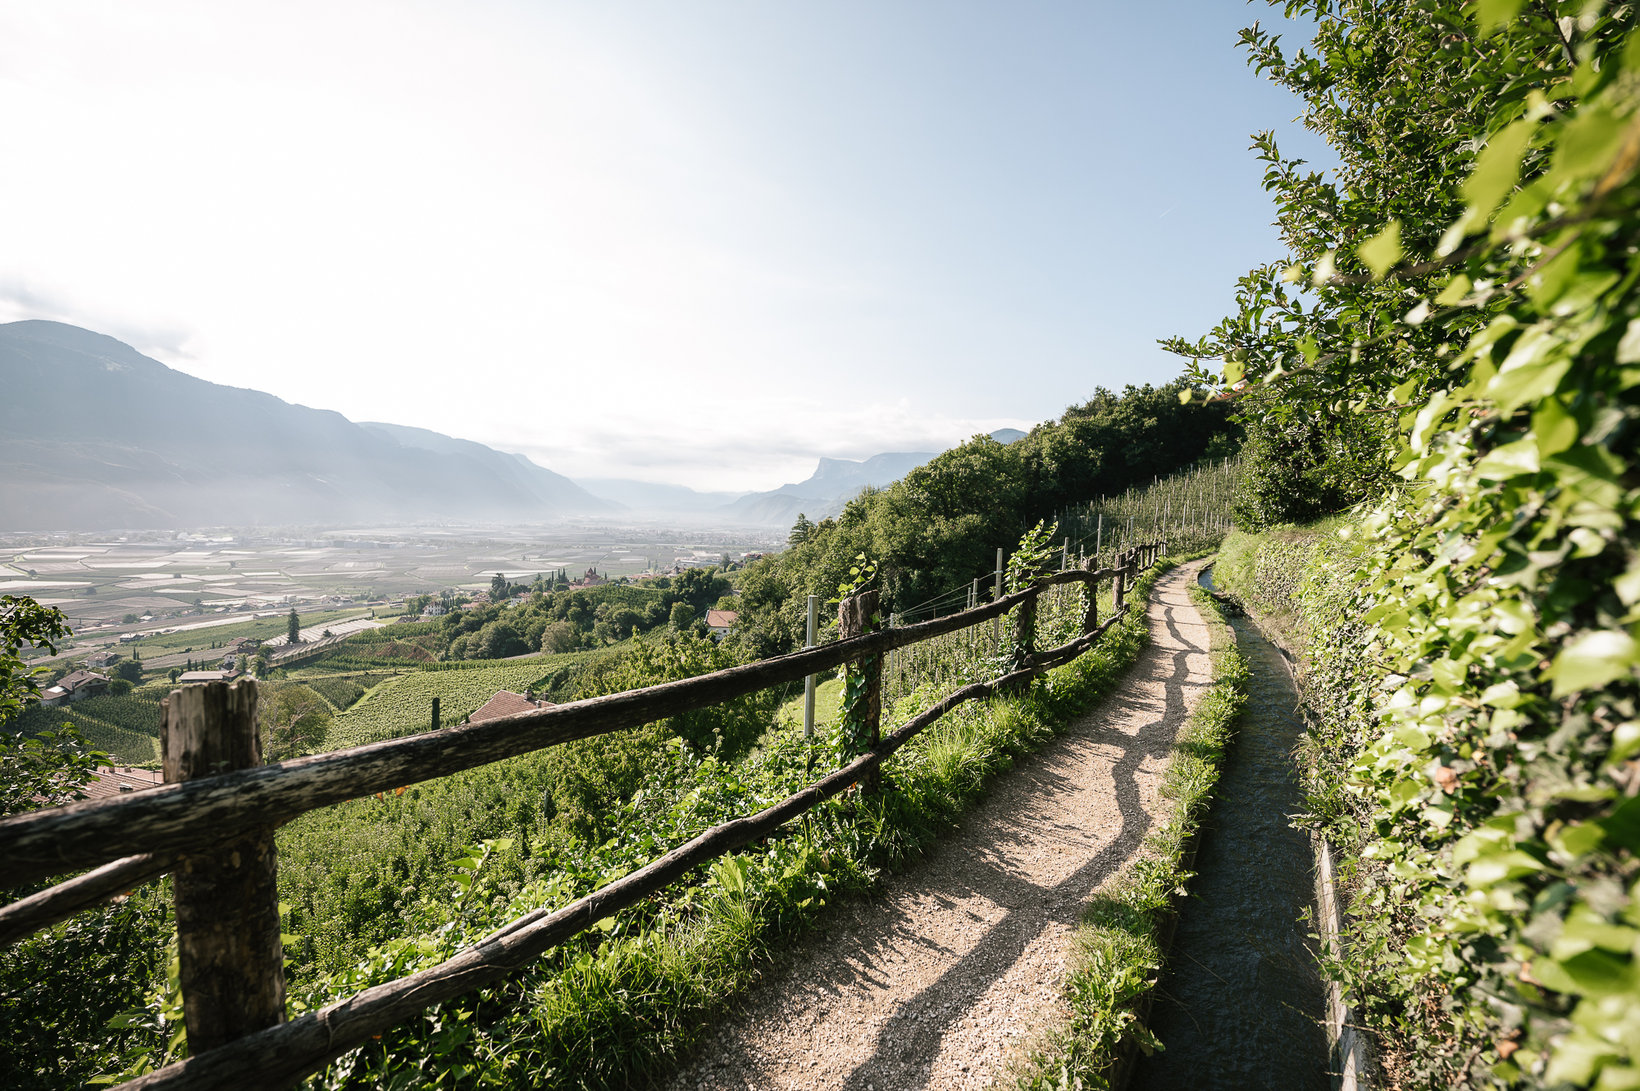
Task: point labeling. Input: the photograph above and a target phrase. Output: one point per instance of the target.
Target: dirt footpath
(935, 983)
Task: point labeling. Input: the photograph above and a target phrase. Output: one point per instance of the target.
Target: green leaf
(1628, 349)
(1594, 660)
(1382, 251)
(1510, 460)
(1497, 169)
(1456, 291)
(1622, 826)
(1495, 867)
(1625, 743)
(1587, 146)
(1579, 839)
(1490, 15)
(1598, 973)
(1554, 429)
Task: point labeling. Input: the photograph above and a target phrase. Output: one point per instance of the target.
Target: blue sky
(702, 242)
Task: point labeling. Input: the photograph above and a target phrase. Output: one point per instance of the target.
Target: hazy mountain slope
(94, 435)
(552, 489)
(650, 497)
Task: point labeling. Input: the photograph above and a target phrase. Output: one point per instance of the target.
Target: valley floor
(941, 981)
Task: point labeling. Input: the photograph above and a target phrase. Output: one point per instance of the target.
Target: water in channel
(1240, 1005)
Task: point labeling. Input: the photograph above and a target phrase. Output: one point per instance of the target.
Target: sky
(701, 242)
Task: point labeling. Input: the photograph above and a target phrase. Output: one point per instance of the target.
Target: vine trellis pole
(211, 825)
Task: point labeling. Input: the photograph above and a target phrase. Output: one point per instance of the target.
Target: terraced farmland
(404, 707)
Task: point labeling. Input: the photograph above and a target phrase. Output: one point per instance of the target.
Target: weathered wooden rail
(212, 827)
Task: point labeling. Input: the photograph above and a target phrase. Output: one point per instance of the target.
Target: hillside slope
(96, 436)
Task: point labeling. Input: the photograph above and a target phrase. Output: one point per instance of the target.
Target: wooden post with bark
(1090, 616)
(227, 898)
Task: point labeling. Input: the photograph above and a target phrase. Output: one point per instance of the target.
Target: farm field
(404, 706)
(368, 706)
(241, 583)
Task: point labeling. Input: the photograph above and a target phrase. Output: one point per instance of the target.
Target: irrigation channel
(1241, 1005)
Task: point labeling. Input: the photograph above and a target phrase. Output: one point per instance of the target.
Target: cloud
(22, 298)
(748, 448)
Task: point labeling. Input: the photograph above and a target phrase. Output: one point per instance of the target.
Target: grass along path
(943, 980)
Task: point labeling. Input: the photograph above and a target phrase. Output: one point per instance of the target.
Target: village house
(75, 687)
(720, 621)
(101, 660)
(189, 677)
(117, 780)
(507, 703)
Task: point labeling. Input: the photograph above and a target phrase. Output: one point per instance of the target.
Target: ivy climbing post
(862, 715)
(1090, 597)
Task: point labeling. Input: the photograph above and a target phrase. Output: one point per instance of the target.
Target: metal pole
(996, 626)
(808, 683)
(1099, 539)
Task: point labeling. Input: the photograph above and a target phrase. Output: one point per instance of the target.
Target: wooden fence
(211, 826)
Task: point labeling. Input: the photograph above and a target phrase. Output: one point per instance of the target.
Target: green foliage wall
(1468, 279)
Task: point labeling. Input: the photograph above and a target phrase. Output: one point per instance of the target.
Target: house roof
(506, 703)
(721, 619)
(68, 683)
(109, 781)
(208, 676)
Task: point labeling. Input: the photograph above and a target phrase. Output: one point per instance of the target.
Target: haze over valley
(98, 437)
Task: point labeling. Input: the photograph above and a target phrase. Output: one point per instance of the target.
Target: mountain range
(96, 436)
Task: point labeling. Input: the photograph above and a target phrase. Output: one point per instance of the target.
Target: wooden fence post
(227, 898)
(1024, 649)
(1090, 616)
(1120, 584)
(809, 681)
(862, 716)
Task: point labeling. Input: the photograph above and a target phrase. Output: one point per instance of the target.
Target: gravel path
(938, 981)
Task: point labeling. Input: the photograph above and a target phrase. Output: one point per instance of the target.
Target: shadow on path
(903, 976)
(1241, 1005)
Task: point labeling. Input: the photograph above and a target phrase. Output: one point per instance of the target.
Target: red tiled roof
(721, 619)
(506, 703)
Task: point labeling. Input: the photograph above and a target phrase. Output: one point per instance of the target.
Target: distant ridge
(833, 484)
(650, 497)
(96, 436)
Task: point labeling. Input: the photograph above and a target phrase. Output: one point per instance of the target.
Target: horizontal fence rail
(28, 915)
(180, 817)
(139, 837)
